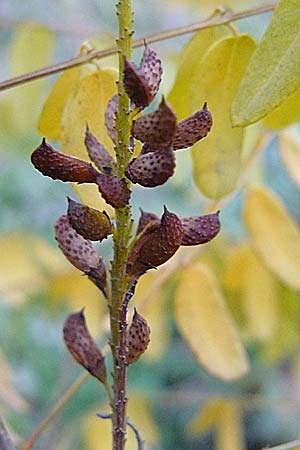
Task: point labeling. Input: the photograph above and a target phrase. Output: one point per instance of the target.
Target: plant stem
(119, 282)
(5, 441)
(214, 21)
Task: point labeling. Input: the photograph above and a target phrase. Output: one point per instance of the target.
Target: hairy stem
(214, 21)
(119, 282)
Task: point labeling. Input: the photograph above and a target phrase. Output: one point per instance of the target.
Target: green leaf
(274, 71)
(217, 158)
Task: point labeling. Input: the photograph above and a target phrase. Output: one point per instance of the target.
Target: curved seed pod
(59, 166)
(200, 229)
(156, 244)
(138, 338)
(89, 222)
(152, 69)
(110, 117)
(191, 130)
(80, 252)
(157, 128)
(145, 218)
(153, 168)
(98, 154)
(114, 190)
(82, 346)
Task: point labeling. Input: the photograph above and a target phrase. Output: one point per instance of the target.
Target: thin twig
(221, 19)
(138, 437)
(5, 440)
(287, 446)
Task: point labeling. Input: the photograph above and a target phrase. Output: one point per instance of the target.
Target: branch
(140, 442)
(5, 441)
(287, 446)
(214, 21)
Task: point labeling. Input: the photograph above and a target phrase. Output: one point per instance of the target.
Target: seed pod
(89, 222)
(80, 252)
(153, 168)
(114, 190)
(155, 244)
(157, 128)
(145, 218)
(138, 338)
(59, 166)
(110, 117)
(142, 83)
(200, 229)
(98, 154)
(191, 130)
(82, 346)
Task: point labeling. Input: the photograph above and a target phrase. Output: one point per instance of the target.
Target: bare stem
(214, 21)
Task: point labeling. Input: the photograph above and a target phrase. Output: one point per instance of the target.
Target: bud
(59, 166)
(157, 128)
(155, 244)
(114, 190)
(138, 338)
(191, 130)
(89, 222)
(82, 346)
(98, 154)
(200, 229)
(80, 252)
(145, 218)
(153, 168)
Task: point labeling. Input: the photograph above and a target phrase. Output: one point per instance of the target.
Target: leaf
(289, 148)
(206, 324)
(50, 119)
(273, 234)
(189, 64)
(217, 158)
(31, 49)
(207, 416)
(229, 431)
(8, 391)
(274, 71)
(285, 114)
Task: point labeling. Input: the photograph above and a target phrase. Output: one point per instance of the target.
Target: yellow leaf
(229, 430)
(274, 71)
(154, 309)
(207, 417)
(189, 62)
(206, 324)
(217, 158)
(50, 119)
(8, 392)
(79, 292)
(90, 196)
(285, 114)
(274, 235)
(32, 48)
(289, 147)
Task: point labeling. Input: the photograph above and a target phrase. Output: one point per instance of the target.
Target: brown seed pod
(200, 229)
(155, 244)
(192, 129)
(110, 117)
(114, 190)
(138, 338)
(98, 154)
(153, 168)
(90, 223)
(59, 166)
(157, 128)
(82, 346)
(80, 252)
(142, 83)
(145, 218)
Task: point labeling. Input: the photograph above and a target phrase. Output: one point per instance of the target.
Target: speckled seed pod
(138, 338)
(80, 252)
(157, 128)
(82, 346)
(114, 190)
(89, 222)
(145, 218)
(153, 168)
(59, 166)
(155, 244)
(110, 117)
(200, 229)
(98, 154)
(152, 69)
(191, 130)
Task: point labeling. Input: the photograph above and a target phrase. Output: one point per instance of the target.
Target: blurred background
(174, 401)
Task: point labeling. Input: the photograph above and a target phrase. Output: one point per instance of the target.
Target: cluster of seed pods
(157, 239)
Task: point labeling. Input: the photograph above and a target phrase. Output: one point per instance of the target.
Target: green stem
(119, 282)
